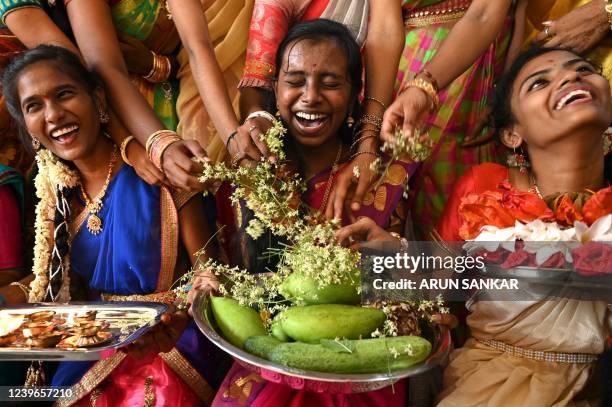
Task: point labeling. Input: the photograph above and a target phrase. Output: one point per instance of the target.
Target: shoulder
(8, 6)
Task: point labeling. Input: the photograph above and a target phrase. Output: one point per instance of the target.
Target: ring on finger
(236, 159)
(547, 32)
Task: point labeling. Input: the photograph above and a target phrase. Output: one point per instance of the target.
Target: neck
(93, 168)
(318, 158)
(582, 168)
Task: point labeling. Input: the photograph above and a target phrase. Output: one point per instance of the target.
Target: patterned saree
(462, 110)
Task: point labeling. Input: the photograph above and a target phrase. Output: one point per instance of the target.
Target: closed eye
(537, 84)
(31, 107)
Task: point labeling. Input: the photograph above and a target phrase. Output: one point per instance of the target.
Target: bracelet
(430, 78)
(426, 87)
(608, 8)
(25, 289)
(158, 143)
(263, 114)
(373, 99)
(360, 139)
(234, 134)
(364, 152)
(160, 72)
(371, 119)
(123, 149)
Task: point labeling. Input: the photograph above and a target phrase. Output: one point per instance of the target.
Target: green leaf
(339, 345)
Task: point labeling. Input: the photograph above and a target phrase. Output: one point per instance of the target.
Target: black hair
(64, 59)
(327, 30)
(72, 66)
(501, 109)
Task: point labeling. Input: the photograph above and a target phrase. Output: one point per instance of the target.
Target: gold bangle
(153, 137)
(371, 119)
(373, 99)
(426, 87)
(25, 289)
(160, 72)
(123, 149)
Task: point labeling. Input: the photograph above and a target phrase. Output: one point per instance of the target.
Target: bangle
(158, 143)
(229, 139)
(430, 78)
(608, 8)
(263, 114)
(371, 119)
(123, 149)
(160, 72)
(362, 138)
(426, 87)
(373, 99)
(364, 152)
(25, 289)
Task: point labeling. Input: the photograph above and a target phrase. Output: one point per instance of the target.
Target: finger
(391, 120)
(410, 121)
(252, 153)
(363, 185)
(555, 41)
(196, 149)
(328, 211)
(342, 189)
(358, 229)
(445, 319)
(256, 136)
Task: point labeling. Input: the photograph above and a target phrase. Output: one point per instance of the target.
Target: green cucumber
(261, 346)
(277, 331)
(315, 322)
(366, 355)
(307, 290)
(236, 322)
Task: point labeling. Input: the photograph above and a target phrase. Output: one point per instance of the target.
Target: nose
(54, 112)
(312, 92)
(569, 76)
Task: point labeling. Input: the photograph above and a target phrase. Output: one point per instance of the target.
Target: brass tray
(126, 321)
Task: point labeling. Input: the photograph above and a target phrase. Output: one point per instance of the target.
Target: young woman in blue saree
(126, 240)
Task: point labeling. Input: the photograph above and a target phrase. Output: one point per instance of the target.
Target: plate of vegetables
(321, 347)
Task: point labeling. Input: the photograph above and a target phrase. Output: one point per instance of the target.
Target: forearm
(468, 39)
(211, 86)
(251, 100)
(14, 294)
(33, 27)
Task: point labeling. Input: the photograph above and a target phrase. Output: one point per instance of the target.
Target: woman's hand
(349, 188)
(162, 337)
(142, 165)
(180, 168)
(580, 29)
(137, 56)
(363, 230)
(205, 282)
(448, 320)
(248, 144)
(408, 111)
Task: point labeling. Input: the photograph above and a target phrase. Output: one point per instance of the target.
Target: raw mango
(361, 356)
(297, 287)
(277, 331)
(261, 346)
(236, 322)
(315, 322)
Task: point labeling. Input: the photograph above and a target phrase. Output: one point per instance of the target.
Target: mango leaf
(338, 345)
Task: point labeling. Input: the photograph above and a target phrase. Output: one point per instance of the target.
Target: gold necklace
(93, 206)
(330, 179)
(534, 186)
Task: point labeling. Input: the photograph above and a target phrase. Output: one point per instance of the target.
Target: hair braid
(58, 267)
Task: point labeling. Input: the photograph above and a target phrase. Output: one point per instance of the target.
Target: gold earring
(350, 122)
(104, 117)
(35, 143)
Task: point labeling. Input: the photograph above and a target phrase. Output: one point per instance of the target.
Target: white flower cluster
(544, 239)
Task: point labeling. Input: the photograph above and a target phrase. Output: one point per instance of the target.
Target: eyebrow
(545, 71)
(323, 74)
(54, 90)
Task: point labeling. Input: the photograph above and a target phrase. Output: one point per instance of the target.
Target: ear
(511, 138)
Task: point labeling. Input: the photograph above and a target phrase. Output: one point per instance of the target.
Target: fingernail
(355, 206)
(547, 22)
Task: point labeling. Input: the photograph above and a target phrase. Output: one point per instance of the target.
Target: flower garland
(52, 176)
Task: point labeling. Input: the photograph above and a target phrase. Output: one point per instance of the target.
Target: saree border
(181, 366)
(92, 379)
(169, 240)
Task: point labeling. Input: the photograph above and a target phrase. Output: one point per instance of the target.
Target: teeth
(64, 130)
(309, 116)
(570, 95)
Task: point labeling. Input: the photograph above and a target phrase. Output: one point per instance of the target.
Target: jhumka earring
(35, 143)
(350, 122)
(104, 117)
(518, 160)
(607, 141)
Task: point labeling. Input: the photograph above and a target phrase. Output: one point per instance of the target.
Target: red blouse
(11, 242)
